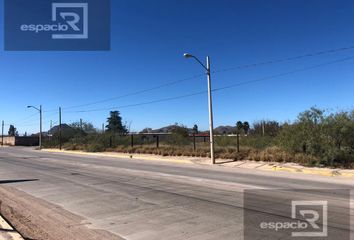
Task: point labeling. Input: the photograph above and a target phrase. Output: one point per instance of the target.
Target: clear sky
(148, 42)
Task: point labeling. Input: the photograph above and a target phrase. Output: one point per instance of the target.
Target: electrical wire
(140, 104)
(24, 119)
(197, 76)
(135, 93)
(318, 53)
(284, 74)
(281, 60)
(219, 89)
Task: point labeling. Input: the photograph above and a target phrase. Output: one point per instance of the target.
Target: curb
(322, 172)
(122, 155)
(265, 167)
(7, 232)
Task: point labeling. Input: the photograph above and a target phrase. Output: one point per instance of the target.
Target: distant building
(19, 141)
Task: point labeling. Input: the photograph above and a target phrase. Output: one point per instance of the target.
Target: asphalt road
(138, 199)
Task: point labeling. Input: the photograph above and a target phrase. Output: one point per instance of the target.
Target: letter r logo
(312, 217)
(72, 19)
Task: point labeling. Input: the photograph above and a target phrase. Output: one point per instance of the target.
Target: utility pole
(50, 132)
(2, 133)
(211, 120)
(40, 123)
(210, 103)
(102, 127)
(59, 128)
(81, 124)
(40, 127)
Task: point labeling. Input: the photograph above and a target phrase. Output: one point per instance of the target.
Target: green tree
(246, 127)
(349, 136)
(239, 127)
(270, 128)
(195, 129)
(179, 135)
(329, 138)
(86, 127)
(12, 131)
(115, 124)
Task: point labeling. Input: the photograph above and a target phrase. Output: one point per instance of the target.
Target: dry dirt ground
(36, 219)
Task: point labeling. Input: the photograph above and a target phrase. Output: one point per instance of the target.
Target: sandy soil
(40, 220)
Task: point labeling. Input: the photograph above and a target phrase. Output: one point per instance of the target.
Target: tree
(195, 129)
(115, 124)
(84, 126)
(267, 128)
(239, 127)
(327, 137)
(12, 131)
(179, 135)
(246, 127)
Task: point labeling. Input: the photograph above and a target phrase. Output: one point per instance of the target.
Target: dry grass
(269, 154)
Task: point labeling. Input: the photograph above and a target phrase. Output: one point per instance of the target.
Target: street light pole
(211, 119)
(60, 129)
(40, 127)
(210, 103)
(40, 123)
(2, 133)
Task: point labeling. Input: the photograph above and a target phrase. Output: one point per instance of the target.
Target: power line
(139, 104)
(136, 93)
(24, 119)
(313, 54)
(284, 74)
(218, 89)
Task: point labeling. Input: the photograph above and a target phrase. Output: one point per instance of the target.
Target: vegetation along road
(92, 196)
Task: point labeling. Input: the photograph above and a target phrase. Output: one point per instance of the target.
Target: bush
(95, 147)
(314, 139)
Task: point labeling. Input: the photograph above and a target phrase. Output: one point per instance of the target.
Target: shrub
(95, 147)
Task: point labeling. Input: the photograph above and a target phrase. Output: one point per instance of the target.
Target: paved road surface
(152, 200)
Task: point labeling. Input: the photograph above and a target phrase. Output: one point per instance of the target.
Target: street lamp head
(187, 55)
(29, 106)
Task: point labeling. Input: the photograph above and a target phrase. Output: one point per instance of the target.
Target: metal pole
(157, 141)
(2, 134)
(59, 128)
(238, 142)
(211, 123)
(50, 132)
(40, 127)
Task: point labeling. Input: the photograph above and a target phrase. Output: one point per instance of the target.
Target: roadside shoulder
(7, 231)
(37, 219)
(244, 164)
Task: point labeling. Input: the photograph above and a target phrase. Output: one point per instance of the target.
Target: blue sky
(148, 42)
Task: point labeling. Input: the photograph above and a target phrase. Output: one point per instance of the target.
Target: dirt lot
(40, 220)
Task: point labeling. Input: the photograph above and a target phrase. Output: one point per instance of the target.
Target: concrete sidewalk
(266, 166)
